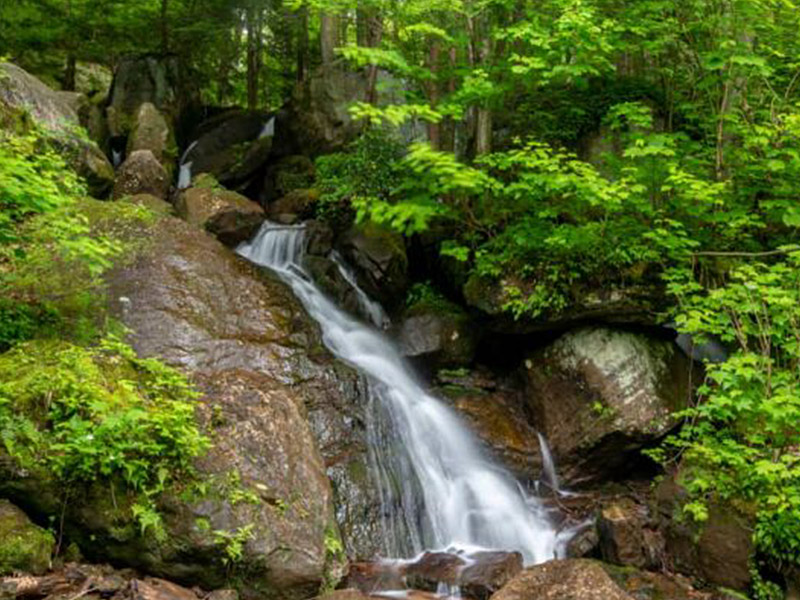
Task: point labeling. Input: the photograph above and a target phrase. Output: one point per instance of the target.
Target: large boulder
(290, 173)
(55, 114)
(494, 408)
(259, 362)
(151, 131)
(438, 331)
(626, 537)
(228, 215)
(379, 258)
(140, 79)
(718, 551)
(599, 395)
(317, 119)
(232, 146)
(90, 116)
(141, 173)
(295, 206)
(572, 579)
(23, 546)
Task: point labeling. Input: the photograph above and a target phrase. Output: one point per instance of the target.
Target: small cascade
(269, 129)
(185, 168)
(366, 305)
(116, 158)
(438, 487)
(548, 465)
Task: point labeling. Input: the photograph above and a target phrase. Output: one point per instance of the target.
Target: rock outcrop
(439, 332)
(141, 173)
(598, 395)
(573, 579)
(228, 215)
(290, 173)
(23, 546)
(380, 260)
(151, 131)
(54, 113)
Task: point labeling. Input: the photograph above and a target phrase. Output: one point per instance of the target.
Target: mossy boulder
(290, 173)
(379, 257)
(142, 173)
(23, 546)
(54, 113)
(151, 131)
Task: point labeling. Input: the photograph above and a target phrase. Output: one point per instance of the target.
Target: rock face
(294, 206)
(152, 132)
(290, 173)
(228, 215)
(379, 257)
(141, 173)
(598, 395)
(718, 550)
(55, 113)
(573, 579)
(625, 538)
(232, 147)
(440, 332)
(23, 546)
(494, 409)
(317, 119)
(139, 80)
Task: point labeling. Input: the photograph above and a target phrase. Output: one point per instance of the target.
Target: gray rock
(141, 173)
(379, 258)
(228, 215)
(151, 131)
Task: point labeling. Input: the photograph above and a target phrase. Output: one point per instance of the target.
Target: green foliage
(83, 415)
(233, 543)
(740, 441)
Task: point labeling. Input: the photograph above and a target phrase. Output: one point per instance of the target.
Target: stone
(93, 80)
(290, 173)
(159, 589)
(231, 146)
(440, 332)
(141, 79)
(228, 215)
(718, 550)
(599, 395)
(380, 260)
(152, 132)
(23, 546)
(584, 542)
(298, 203)
(141, 173)
(493, 406)
(346, 594)
(478, 574)
(621, 526)
(260, 365)
(157, 205)
(647, 585)
(90, 116)
(55, 113)
(571, 579)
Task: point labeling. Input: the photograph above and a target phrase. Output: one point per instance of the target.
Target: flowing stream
(439, 489)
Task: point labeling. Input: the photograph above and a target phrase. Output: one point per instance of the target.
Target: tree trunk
(69, 73)
(372, 39)
(328, 37)
(434, 129)
(302, 43)
(253, 55)
(164, 27)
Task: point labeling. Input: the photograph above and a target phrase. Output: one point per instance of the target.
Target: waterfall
(185, 168)
(366, 305)
(440, 491)
(548, 465)
(268, 130)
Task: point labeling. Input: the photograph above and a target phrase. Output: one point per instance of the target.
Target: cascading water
(548, 465)
(439, 489)
(185, 168)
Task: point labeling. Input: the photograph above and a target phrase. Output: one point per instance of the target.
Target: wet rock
(223, 595)
(142, 79)
(54, 113)
(23, 546)
(572, 579)
(379, 257)
(494, 408)
(478, 575)
(159, 589)
(157, 205)
(290, 173)
(440, 332)
(346, 594)
(645, 585)
(141, 173)
(152, 132)
(90, 116)
(598, 395)
(584, 543)
(231, 147)
(299, 204)
(718, 550)
(228, 215)
(625, 538)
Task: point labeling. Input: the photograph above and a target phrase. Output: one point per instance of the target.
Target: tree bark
(372, 39)
(328, 37)
(434, 129)
(253, 55)
(69, 73)
(302, 44)
(164, 27)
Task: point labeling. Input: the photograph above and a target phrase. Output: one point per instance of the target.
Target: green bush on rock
(86, 414)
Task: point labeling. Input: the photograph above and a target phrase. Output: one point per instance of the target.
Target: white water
(371, 309)
(269, 129)
(185, 168)
(439, 489)
(548, 465)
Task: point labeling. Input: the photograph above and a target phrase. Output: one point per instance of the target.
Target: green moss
(23, 546)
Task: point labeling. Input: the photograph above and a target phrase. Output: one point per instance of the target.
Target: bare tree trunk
(373, 37)
(253, 55)
(328, 37)
(302, 44)
(69, 73)
(434, 129)
(164, 27)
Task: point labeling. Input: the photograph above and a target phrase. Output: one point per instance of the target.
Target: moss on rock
(23, 545)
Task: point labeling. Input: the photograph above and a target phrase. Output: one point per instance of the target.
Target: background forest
(544, 163)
